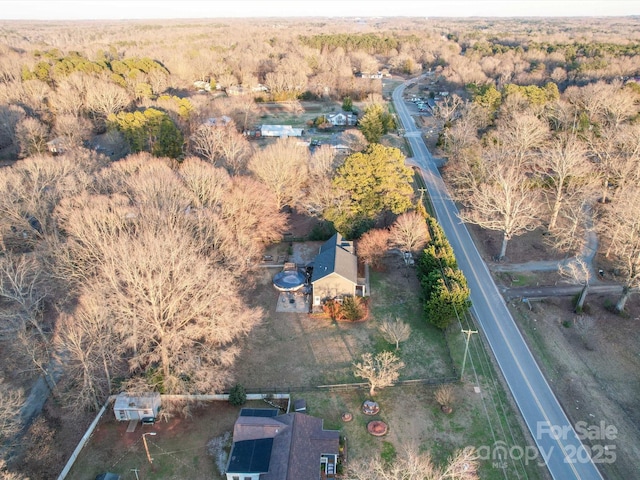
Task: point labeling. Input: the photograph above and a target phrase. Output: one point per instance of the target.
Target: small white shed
(136, 407)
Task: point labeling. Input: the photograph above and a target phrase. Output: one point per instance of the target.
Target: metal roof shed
(136, 407)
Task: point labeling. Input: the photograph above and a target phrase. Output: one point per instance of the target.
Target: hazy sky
(135, 9)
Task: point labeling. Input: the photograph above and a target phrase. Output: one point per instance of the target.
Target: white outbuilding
(136, 407)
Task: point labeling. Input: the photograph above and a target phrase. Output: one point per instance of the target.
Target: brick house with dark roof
(268, 446)
(335, 271)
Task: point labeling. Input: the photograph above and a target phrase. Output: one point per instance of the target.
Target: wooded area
(133, 208)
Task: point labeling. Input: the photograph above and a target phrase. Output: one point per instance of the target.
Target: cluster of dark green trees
(55, 65)
(376, 122)
(444, 287)
(368, 42)
(150, 130)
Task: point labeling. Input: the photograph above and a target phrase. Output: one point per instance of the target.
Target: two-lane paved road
(558, 443)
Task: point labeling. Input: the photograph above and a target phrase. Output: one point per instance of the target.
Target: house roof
(294, 452)
(309, 442)
(251, 456)
(336, 256)
(280, 131)
(250, 428)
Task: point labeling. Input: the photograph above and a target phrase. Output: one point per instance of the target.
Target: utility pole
(422, 190)
(135, 470)
(468, 333)
(146, 448)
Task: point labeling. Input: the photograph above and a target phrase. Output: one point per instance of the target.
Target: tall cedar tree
(377, 181)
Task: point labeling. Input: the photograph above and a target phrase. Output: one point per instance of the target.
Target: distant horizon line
(307, 17)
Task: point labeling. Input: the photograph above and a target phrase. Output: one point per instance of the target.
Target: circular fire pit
(370, 407)
(377, 428)
(347, 417)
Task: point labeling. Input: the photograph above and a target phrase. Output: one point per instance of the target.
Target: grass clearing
(179, 449)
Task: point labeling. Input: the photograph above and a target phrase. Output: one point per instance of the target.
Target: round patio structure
(369, 407)
(289, 280)
(377, 428)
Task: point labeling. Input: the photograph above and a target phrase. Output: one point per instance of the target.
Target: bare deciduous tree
(603, 103)
(603, 147)
(33, 96)
(395, 331)
(105, 97)
(205, 143)
(448, 108)
(32, 136)
(499, 197)
(567, 174)
(173, 287)
(74, 130)
(355, 140)
(222, 144)
(409, 233)
(380, 371)
(69, 95)
(164, 290)
(250, 215)
(207, 183)
(520, 135)
(322, 163)
(321, 195)
(373, 245)
(23, 292)
(574, 222)
(10, 403)
(460, 140)
(445, 397)
(282, 167)
(579, 272)
(91, 349)
(31, 189)
(10, 116)
(619, 228)
(411, 464)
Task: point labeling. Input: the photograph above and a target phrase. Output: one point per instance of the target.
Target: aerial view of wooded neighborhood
(262, 248)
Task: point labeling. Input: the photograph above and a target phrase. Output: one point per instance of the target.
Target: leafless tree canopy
(283, 168)
(620, 231)
(381, 370)
(409, 233)
(161, 260)
(499, 195)
(444, 395)
(222, 144)
(410, 464)
(10, 403)
(395, 331)
(373, 246)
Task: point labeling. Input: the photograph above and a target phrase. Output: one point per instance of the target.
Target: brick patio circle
(377, 428)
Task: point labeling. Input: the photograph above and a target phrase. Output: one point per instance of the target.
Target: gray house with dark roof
(268, 446)
(335, 271)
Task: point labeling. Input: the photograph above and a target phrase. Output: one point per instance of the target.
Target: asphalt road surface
(559, 445)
